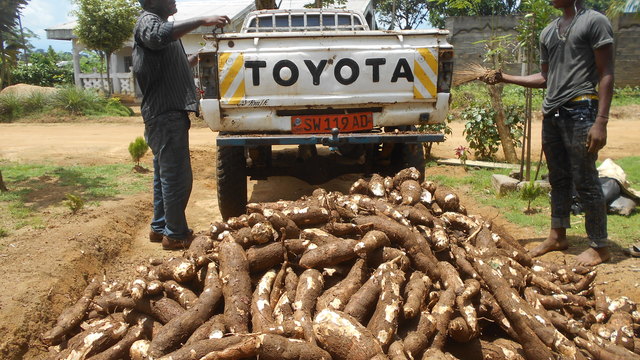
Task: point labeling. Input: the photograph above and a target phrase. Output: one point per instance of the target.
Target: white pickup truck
(313, 77)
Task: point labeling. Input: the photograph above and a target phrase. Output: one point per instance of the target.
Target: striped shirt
(161, 67)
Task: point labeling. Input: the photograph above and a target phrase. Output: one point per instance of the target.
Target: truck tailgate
(272, 70)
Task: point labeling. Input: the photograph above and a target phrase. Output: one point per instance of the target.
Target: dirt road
(44, 268)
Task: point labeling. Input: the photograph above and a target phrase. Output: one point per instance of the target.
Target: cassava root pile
(395, 270)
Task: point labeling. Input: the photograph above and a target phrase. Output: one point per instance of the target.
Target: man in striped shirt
(164, 75)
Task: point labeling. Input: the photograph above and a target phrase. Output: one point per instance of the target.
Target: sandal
(633, 250)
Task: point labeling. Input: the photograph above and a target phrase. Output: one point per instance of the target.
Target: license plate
(320, 124)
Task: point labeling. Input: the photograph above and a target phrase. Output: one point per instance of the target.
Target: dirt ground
(44, 269)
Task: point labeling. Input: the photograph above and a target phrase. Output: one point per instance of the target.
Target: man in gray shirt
(163, 72)
(576, 54)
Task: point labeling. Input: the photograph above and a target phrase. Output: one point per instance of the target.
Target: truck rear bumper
(326, 139)
(249, 119)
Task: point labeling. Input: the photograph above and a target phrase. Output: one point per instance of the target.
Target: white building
(123, 81)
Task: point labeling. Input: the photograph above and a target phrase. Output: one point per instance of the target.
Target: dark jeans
(168, 137)
(564, 141)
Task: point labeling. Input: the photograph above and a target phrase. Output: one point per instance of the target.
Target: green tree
(10, 41)
(439, 10)
(91, 62)
(402, 14)
(104, 26)
(45, 69)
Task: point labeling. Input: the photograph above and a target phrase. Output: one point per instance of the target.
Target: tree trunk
(495, 93)
(2, 61)
(265, 4)
(102, 59)
(3, 187)
(109, 83)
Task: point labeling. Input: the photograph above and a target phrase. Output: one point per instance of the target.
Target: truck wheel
(232, 181)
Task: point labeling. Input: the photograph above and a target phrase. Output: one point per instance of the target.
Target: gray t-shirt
(571, 59)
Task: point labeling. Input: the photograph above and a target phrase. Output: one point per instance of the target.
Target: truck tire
(232, 181)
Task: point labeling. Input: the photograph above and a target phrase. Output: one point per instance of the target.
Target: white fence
(123, 83)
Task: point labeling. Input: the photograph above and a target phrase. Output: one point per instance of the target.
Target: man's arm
(180, 28)
(538, 80)
(597, 137)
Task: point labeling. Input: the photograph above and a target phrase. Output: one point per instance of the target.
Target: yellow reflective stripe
(231, 75)
(223, 60)
(425, 69)
(430, 59)
(238, 95)
(424, 80)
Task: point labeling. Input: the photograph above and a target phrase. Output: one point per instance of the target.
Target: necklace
(563, 35)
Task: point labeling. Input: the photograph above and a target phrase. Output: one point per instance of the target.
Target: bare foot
(551, 244)
(593, 256)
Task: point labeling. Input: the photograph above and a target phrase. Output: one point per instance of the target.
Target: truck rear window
(305, 22)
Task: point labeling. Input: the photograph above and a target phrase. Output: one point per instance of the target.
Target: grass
(67, 101)
(36, 188)
(623, 231)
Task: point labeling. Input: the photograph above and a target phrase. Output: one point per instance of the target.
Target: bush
(69, 99)
(43, 70)
(481, 132)
(10, 107)
(442, 128)
(137, 149)
(74, 202)
(111, 106)
(76, 101)
(36, 102)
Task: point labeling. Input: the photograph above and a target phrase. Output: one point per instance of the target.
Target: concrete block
(503, 184)
(542, 183)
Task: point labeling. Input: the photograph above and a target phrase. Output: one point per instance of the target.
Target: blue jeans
(564, 141)
(168, 137)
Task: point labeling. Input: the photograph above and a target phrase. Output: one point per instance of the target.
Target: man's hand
(216, 20)
(597, 137)
(492, 77)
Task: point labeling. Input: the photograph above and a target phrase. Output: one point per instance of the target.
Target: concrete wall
(466, 31)
(627, 39)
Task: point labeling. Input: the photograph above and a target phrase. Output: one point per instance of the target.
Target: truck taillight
(445, 70)
(207, 75)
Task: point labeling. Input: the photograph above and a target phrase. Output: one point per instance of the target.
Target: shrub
(113, 106)
(443, 128)
(76, 101)
(529, 192)
(42, 72)
(137, 149)
(36, 102)
(74, 202)
(481, 132)
(10, 107)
